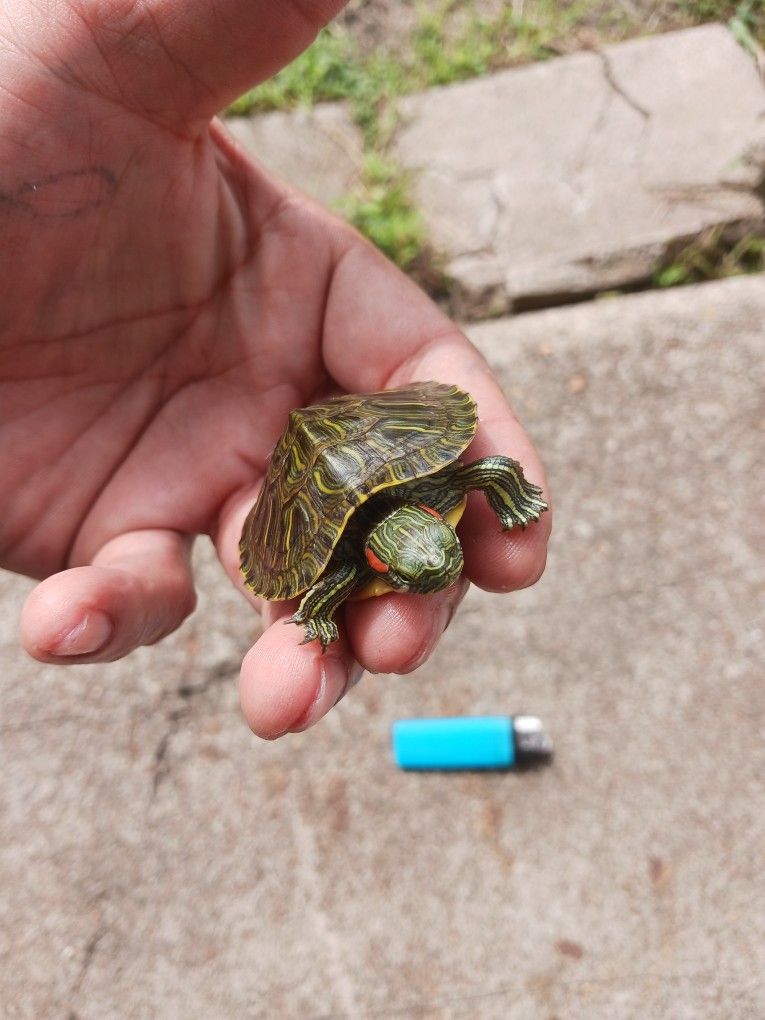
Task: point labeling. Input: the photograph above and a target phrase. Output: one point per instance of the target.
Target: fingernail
(90, 635)
(333, 680)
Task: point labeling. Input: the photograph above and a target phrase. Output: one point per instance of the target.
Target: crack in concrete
(628, 270)
(500, 208)
(185, 691)
(216, 674)
(706, 194)
(600, 121)
(87, 959)
(160, 764)
(188, 693)
(618, 88)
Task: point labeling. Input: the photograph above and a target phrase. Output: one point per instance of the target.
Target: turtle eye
(430, 510)
(375, 562)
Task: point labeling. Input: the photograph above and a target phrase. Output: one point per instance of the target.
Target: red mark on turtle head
(375, 562)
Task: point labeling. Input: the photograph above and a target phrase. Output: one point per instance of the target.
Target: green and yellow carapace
(362, 497)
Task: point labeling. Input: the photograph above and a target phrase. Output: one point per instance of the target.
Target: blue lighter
(470, 742)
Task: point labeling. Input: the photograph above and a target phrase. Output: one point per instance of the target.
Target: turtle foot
(527, 507)
(316, 629)
(516, 501)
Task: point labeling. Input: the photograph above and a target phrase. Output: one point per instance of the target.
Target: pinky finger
(138, 588)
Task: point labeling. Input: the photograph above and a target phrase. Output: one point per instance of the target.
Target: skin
(164, 303)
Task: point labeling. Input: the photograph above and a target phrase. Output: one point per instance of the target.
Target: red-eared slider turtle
(362, 497)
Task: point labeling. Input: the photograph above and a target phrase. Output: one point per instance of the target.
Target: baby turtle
(362, 496)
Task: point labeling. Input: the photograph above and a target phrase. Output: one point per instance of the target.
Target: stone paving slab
(158, 860)
(574, 176)
(318, 150)
(563, 178)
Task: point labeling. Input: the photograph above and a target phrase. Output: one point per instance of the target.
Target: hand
(164, 304)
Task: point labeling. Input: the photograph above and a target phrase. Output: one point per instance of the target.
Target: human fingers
(137, 589)
(397, 335)
(286, 686)
(497, 560)
(396, 633)
(182, 61)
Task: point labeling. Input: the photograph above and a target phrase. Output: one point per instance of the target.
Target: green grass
(745, 18)
(714, 255)
(323, 72)
(451, 41)
(382, 208)
(436, 54)
(748, 27)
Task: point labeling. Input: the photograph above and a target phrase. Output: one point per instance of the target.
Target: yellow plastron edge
(378, 586)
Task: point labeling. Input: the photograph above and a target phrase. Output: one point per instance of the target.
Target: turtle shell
(332, 457)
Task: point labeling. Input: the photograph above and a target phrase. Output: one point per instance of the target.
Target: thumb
(137, 589)
(185, 60)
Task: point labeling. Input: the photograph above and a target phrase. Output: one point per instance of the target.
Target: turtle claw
(527, 507)
(520, 519)
(316, 629)
(516, 501)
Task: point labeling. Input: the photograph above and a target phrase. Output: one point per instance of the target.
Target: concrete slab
(317, 150)
(158, 860)
(574, 176)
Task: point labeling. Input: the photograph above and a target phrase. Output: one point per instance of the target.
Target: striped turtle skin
(330, 460)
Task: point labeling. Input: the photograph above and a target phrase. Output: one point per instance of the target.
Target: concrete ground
(157, 860)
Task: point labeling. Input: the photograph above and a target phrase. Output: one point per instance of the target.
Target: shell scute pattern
(331, 458)
(340, 468)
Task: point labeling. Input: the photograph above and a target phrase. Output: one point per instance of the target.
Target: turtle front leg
(320, 602)
(513, 499)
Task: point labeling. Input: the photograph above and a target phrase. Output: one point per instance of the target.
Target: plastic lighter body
(470, 742)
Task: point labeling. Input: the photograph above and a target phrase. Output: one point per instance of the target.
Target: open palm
(163, 304)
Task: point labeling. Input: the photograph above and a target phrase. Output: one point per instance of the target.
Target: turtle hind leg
(512, 498)
(321, 601)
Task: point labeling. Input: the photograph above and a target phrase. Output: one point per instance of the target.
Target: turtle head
(414, 549)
